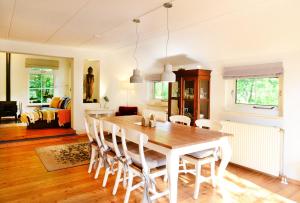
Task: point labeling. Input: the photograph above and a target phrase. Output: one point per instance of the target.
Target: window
(41, 85)
(161, 90)
(258, 91)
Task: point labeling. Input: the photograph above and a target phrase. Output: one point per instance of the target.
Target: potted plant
(106, 100)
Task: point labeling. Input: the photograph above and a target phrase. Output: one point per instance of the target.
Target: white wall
(2, 76)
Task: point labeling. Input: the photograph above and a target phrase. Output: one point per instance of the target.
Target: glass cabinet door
(175, 98)
(188, 98)
(204, 99)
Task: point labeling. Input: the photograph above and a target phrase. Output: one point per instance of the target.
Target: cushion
(59, 103)
(64, 102)
(68, 106)
(202, 154)
(54, 102)
(130, 146)
(153, 159)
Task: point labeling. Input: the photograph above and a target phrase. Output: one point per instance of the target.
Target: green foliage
(257, 91)
(41, 86)
(106, 99)
(161, 90)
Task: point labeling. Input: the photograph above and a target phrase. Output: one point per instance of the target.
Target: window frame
(40, 71)
(161, 99)
(257, 105)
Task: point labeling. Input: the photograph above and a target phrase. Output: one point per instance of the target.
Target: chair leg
(184, 166)
(98, 169)
(117, 181)
(166, 178)
(92, 160)
(153, 186)
(129, 186)
(212, 174)
(198, 181)
(107, 172)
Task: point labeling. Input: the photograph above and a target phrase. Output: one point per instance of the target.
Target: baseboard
(80, 132)
(296, 182)
(251, 169)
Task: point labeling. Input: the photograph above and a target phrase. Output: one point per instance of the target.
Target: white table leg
(172, 167)
(226, 156)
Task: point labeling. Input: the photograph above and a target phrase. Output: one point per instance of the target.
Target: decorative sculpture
(89, 85)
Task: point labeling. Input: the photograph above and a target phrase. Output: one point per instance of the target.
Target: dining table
(175, 140)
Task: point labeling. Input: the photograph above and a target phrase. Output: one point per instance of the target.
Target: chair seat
(153, 159)
(108, 138)
(130, 146)
(202, 154)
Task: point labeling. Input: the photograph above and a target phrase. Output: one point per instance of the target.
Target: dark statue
(89, 84)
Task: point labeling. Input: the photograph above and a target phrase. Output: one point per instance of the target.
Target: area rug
(57, 157)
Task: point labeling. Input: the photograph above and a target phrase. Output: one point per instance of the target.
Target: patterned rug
(57, 157)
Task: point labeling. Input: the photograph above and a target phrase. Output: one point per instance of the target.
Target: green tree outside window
(41, 85)
(257, 91)
(161, 90)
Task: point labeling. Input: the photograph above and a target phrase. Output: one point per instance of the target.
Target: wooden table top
(168, 134)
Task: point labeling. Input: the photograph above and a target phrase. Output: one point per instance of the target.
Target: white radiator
(256, 147)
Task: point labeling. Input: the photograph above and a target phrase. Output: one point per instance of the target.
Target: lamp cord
(136, 45)
(168, 33)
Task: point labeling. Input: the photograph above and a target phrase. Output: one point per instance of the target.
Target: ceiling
(106, 25)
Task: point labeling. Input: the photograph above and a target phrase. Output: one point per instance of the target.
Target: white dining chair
(180, 119)
(186, 121)
(159, 115)
(141, 163)
(94, 159)
(119, 158)
(200, 158)
(210, 124)
(112, 151)
(108, 132)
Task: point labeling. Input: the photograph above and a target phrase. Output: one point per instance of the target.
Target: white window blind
(41, 63)
(252, 71)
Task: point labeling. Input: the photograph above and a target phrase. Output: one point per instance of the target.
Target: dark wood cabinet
(190, 94)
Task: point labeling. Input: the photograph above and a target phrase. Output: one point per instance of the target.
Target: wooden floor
(23, 178)
(14, 133)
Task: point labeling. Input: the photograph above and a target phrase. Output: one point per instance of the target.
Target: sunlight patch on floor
(236, 189)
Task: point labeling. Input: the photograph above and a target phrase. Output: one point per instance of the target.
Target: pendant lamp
(168, 75)
(136, 76)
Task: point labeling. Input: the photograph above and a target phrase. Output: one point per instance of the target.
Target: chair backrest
(114, 130)
(159, 115)
(136, 137)
(180, 119)
(92, 130)
(206, 123)
(108, 128)
(88, 127)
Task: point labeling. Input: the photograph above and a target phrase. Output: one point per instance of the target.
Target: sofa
(57, 114)
(127, 110)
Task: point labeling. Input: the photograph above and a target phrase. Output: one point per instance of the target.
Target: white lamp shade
(136, 77)
(168, 75)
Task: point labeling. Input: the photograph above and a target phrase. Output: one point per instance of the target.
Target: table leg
(172, 167)
(226, 156)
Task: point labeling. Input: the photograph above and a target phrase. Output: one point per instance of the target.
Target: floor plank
(24, 179)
